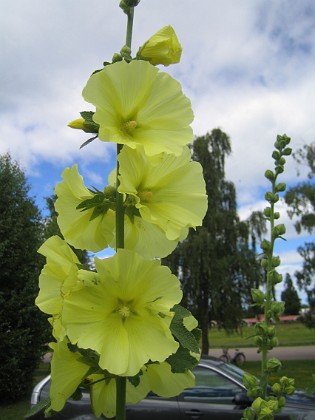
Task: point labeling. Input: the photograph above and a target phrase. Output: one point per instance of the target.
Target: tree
(216, 264)
(22, 326)
(290, 297)
(301, 202)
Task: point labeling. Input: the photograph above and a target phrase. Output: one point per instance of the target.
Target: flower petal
(76, 225)
(67, 372)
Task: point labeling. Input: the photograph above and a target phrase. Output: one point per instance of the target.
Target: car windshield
(233, 371)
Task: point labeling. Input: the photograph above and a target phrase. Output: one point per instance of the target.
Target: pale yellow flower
(79, 227)
(125, 314)
(137, 104)
(169, 191)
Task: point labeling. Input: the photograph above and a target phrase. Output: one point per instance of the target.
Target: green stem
(120, 233)
(269, 286)
(129, 27)
(120, 398)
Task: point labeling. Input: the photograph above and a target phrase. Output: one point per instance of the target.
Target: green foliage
(22, 326)
(301, 202)
(290, 297)
(217, 264)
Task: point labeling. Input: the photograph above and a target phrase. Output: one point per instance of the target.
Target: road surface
(282, 353)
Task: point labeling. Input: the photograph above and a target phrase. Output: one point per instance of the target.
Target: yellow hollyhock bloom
(156, 377)
(147, 239)
(76, 225)
(67, 372)
(58, 278)
(162, 48)
(168, 191)
(97, 234)
(125, 315)
(137, 104)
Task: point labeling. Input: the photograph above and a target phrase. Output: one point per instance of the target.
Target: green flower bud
(273, 343)
(281, 187)
(250, 381)
(249, 414)
(116, 57)
(279, 169)
(265, 246)
(271, 331)
(257, 404)
(276, 155)
(277, 309)
(264, 262)
(287, 151)
(271, 197)
(276, 215)
(269, 175)
(276, 388)
(274, 365)
(267, 211)
(275, 262)
(258, 296)
(278, 231)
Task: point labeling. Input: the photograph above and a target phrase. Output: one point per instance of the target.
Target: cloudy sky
(248, 67)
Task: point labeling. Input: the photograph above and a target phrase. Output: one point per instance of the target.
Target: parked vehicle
(219, 393)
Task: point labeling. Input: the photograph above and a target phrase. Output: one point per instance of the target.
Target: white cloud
(247, 66)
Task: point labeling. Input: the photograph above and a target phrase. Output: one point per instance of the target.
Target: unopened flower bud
(77, 124)
(162, 48)
(269, 175)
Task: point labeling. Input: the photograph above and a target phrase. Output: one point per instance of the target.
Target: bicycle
(238, 359)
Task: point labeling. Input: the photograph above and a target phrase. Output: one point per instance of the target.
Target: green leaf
(88, 142)
(41, 406)
(186, 338)
(182, 361)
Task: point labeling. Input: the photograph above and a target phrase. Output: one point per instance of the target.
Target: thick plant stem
(120, 233)
(129, 27)
(121, 381)
(120, 398)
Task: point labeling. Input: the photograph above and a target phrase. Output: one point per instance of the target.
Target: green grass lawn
(300, 370)
(293, 334)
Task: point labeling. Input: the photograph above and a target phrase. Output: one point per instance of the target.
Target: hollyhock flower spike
(136, 104)
(125, 314)
(162, 48)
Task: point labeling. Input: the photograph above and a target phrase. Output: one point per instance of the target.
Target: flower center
(129, 127)
(124, 311)
(145, 196)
